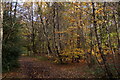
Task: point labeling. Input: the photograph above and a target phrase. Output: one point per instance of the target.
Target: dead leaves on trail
(32, 68)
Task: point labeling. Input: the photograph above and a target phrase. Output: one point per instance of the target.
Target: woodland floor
(33, 68)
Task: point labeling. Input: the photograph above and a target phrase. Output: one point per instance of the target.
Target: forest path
(33, 68)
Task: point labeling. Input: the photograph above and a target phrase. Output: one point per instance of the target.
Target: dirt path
(33, 68)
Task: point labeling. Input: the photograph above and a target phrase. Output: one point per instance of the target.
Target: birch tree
(1, 36)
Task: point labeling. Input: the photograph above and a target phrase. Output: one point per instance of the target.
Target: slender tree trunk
(54, 29)
(33, 31)
(15, 10)
(45, 34)
(79, 25)
(53, 20)
(58, 26)
(117, 28)
(109, 37)
(99, 43)
(1, 36)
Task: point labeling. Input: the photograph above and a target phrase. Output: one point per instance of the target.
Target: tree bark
(33, 31)
(1, 36)
(118, 28)
(109, 74)
(54, 29)
(109, 37)
(15, 10)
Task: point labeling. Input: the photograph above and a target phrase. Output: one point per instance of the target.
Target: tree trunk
(55, 21)
(33, 32)
(108, 72)
(118, 28)
(1, 36)
(15, 10)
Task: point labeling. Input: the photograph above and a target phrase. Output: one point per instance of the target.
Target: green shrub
(11, 42)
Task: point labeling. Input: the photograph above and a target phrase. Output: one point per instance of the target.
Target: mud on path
(33, 68)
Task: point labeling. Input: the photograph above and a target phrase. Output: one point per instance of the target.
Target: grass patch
(43, 58)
